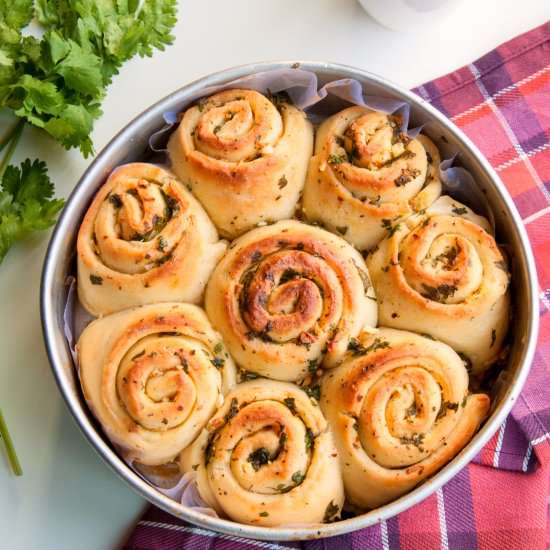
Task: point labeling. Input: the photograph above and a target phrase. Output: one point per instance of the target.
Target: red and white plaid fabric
(502, 102)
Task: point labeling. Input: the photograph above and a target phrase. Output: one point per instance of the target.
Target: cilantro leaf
(113, 30)
(16, 14)
(57, 82)
(81, 70)
(26, 202)
(157, 18)
(74, 127)
(38, 96)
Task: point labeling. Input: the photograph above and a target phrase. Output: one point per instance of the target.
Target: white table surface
(67, 497)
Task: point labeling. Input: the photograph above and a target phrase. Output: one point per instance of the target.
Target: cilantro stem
(12, 138)
(9, 136)
(5, 435)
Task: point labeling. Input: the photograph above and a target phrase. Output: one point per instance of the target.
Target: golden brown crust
(153, 376)
(243, 157)
(144, 239)
(443, 274)
(290, 300)
(289, 296)
(263, 457)
(365, 171)
(400, 410)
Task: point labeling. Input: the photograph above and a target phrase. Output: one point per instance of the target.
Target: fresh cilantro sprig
(26, 192)
(58, 81)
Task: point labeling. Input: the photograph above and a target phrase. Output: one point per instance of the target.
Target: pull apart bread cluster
(322, 352)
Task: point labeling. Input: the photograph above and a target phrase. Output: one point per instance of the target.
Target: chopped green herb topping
(282, 488)
(415, 440)
(312, 365)
(158, 224)
(210, 450)
(309, 439)
(282, 440)
(439, 293)
(459, 210)
(279, 99)
(364, 277)
(163, 243)
(406, 176)
(290, 402)
(331, 512)
(218, 362)
(313, 391)
(259, 458)
(357, 349)
(172, 205)
(184, 364)
(203, 102)
(425, 222)
(376, 202)
(248, 375)
(466, 360)
(233, 409)
(446, 406)
(337, 159)
(389, 227)
(298, 477)
(449, 256)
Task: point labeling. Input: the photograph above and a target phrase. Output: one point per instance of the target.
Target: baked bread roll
(144, 239)
(366, 171)
(268, 458)
(244, 156)
(287, 297)
(153, 376)
(442, 273)
(399, 409)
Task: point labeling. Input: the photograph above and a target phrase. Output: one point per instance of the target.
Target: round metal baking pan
(131, 144)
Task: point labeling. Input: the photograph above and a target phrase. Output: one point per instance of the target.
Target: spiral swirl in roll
(244, 156)
(144, 239)
(399, 409)
(364, 171)
(287, 297)
(153, 376)
(442, 273)
(264, 457)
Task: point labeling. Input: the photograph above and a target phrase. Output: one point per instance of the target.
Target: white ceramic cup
(408, 15)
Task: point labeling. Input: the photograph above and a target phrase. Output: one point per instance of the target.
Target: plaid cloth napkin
(502, 102)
